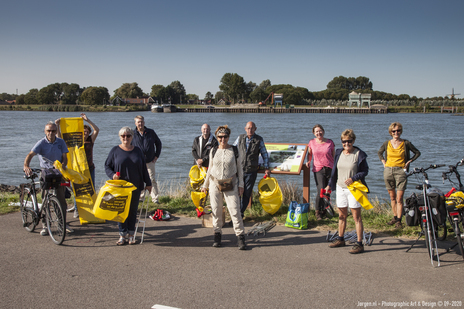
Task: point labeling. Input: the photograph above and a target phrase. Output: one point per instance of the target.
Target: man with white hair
(202, 145)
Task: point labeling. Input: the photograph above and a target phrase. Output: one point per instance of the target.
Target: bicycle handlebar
(421, 170)
(35, 172)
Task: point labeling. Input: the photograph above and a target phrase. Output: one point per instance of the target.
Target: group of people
(232, 171)
(133, 160)
(338, 169)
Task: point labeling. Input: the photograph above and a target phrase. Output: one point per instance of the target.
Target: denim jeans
(129, 225)
(249, 180)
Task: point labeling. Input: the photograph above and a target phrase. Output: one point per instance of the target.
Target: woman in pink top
(322, 150)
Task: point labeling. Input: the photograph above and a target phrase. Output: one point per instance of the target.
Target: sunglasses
(349, 141)
(396, 131)
(223, 136)
(126, 136)
(51, 131)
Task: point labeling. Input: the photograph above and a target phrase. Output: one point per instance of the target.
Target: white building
(359, 99)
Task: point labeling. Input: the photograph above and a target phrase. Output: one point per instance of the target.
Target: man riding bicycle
(50, 148)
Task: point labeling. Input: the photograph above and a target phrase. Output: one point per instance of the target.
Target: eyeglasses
(51, 131)
(396, 131)
(126, 136)
(223, 136)
(349, 141)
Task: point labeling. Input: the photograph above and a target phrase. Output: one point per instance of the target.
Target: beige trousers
(154, 190)
(233, 205)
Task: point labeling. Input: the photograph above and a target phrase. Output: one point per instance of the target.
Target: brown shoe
(318, 215)
(398, 225)
(337, 243)
(392, 221)
(357, 248)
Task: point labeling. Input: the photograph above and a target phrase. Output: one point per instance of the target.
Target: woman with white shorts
(350, 165)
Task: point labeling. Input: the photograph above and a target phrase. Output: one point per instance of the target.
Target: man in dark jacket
(250, 146)
(147, 140)
(202, 145)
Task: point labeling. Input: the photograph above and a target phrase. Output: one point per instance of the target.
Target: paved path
(176, 266)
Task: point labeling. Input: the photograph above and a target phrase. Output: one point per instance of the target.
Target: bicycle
(32, 212)
(455, 205)
(430, 230)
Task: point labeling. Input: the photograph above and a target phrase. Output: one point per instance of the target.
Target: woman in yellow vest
(396, 162)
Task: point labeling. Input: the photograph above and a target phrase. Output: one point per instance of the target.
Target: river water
(437, 136)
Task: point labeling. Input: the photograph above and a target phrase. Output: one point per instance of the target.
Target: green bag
(297, 216)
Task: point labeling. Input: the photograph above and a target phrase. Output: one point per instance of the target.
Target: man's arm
(158, 147)
(64, 160)
(27, 161)
(265, 156)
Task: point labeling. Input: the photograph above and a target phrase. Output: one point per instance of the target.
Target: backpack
(215, 148)
(411, 210)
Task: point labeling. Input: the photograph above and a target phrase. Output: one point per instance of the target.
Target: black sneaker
(217, 240)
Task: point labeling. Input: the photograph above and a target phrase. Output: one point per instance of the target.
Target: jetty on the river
(332, 110)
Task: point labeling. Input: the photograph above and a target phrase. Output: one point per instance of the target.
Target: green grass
(178, 202)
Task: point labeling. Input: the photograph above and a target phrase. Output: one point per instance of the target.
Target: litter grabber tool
(261, 228)
(352, 237)
(144, 205)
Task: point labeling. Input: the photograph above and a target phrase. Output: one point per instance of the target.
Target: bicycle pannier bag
(411, 210)
(50, 178)
(438, 206)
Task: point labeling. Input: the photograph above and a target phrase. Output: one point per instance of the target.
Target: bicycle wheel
(55, 220)
(441, 231)
(457, 231)
(26, 205)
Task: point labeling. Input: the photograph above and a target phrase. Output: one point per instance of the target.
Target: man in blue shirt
(250, 146)
(147, 140)
(50, 148)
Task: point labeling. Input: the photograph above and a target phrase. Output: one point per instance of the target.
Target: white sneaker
(44, 232)
(76, 214)
(69, 229)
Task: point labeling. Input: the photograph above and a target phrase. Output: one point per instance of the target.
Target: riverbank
(239, 108)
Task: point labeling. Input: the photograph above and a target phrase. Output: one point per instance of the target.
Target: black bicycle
(455, 205)
(48, 212)
(432, 226)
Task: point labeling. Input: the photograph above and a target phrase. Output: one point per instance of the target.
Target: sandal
(132, 240)
(121, 241)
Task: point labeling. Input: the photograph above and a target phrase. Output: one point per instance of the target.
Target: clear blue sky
(414, 47)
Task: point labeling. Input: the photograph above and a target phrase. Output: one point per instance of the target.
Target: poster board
(285, 158)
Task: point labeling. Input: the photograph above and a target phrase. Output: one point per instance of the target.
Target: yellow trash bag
(113, 200)
(199, 200)
(197, 177)
(456, 199)
(70, 174)
(270, 195)
(359, 192)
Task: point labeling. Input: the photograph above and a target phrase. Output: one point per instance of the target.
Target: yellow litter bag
(197, 177)
(113, 200)
(70, 174)
(199, 199)
(270, 195)
(359, 192)
(456, 199)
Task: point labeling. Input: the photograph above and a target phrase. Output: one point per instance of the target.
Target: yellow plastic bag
(457, 198)
(270, 195)
(70, 174)
(113, 200)
(197, 177)
(199, 199)
(359, 192)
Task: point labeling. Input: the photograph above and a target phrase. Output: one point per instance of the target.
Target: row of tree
(233, 88)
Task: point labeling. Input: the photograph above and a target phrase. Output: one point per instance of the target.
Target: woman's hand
(407, 164)
(349, 181)
(383, 162)
(116, 176)
(148, 188)
(204, 190)
(240, 191)
(84, 116)
(327, 188)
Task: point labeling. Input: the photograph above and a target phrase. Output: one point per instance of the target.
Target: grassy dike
(178, 202)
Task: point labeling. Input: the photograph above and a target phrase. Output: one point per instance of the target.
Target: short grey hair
(126, 130)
